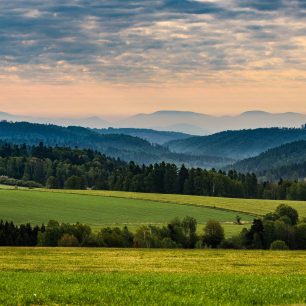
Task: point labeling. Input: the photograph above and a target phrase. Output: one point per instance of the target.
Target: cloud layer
(153, 41)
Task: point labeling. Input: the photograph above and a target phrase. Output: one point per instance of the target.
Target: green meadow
(116, 208)
(90, 276)
(36, 207)
(248, 206)
(55, 276)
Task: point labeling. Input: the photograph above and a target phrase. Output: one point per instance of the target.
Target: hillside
(72, 168)
(124, 146)
(237, 144)
(256, 207)
(153, 136)
(287, 161)
(121, 146)
(113, 208)
(37, 207)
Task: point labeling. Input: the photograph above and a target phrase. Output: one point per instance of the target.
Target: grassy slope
(249, 206)
(36, 207)
(150, 277)
(101, 208)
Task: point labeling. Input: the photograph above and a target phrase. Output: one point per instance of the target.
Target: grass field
(31, 276)
(38, 207)
(151, 277)
(116, 208)
(248, 206)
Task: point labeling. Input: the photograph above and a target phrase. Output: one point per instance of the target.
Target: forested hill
(153, 136)
(238, 144)
(38, 166)
(287, 161)
(125, 147)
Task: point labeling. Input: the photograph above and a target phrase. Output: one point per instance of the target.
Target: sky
(114, 58)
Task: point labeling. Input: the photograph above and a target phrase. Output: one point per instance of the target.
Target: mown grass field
(116, 208)
(36, 207)
(248, 206)
(151, 277)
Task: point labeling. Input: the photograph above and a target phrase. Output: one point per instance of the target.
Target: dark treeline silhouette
(278, 230)
(73, 168)
(23, 235)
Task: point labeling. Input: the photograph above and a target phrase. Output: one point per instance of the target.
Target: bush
(213, 233)
(91, 241)
(115, 237)
(278, 245)
(21, 183)
(284, 210)
(168, 243)
(68, 240)
(300, 236)
(75, 182)
(231, 243)
(52, 182)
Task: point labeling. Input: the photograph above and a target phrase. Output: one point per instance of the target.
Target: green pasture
(248, 206)
(116, 208)
(36, 207)
(54, 276)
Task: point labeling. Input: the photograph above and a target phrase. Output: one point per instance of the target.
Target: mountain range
(287, 161)
(90, 122)
(237, 144)
(153, 136)
(118, 145)
(178, 121)
(271, 153)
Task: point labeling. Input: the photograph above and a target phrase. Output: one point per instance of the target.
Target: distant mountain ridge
(153, 136)
(237, 144)
(139, 145)
(125, 147)
(287, 161)
(179, 121)
(90, 122)
(203, 124)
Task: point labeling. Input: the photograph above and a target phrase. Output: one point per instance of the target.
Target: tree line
(279, 230)
(74, 168)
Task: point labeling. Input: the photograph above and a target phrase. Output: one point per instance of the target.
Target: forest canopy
(74, 168)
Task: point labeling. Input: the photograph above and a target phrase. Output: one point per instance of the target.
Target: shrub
(300, 236)
(115, 237)
(279, 245)
(142, 238)
(231, 243)
(22, 183)
(52, 182)
(285, 210)
(168, 243)
(75, 182)
(90, 241)
(213, 233)
(68, 240)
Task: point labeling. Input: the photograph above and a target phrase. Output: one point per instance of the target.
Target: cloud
(150, 41)
(270, 5)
